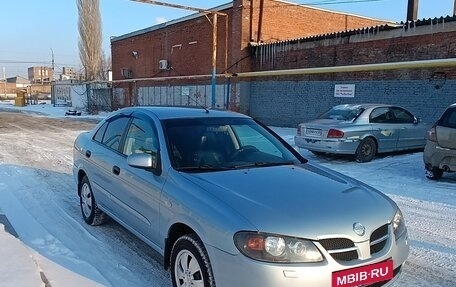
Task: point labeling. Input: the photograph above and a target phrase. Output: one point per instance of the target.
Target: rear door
(384, 129)
(446, 129)
(104, 155)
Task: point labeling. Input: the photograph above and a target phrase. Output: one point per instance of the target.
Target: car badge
(359, 229)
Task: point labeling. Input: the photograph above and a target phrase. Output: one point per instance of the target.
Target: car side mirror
(147, 161)
(417, 121)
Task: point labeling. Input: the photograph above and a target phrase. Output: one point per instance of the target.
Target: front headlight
(276, 248)
(398, 224)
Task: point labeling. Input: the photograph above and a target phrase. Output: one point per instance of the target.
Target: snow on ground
(37, 193)
(45, 108)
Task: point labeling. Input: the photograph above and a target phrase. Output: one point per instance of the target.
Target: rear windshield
(343, 113)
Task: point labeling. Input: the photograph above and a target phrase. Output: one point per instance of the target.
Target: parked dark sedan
(362, 130)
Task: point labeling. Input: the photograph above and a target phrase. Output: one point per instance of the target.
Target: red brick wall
(345, 51)
(285, 20)
(187, 46)
(281, 20)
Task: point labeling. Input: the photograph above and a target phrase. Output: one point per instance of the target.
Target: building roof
(169, 23)
(18, 80)
(224, 7)
(366, 30)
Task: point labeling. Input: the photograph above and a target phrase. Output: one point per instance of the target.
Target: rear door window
(114, 131)
(381, 116)
(449, 119)
(100, 133)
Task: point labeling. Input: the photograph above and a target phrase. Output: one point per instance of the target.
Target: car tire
(435, 173)
(190, 265)
(366, 150)
(90, 212)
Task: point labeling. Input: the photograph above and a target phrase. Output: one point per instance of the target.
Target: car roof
(172, 112)
(364, 106)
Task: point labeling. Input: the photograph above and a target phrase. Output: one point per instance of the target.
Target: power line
(23, 62)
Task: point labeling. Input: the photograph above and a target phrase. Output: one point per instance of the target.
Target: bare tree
(90, 38)
(105, 67)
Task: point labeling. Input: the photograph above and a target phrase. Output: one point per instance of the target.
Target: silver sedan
(226, 202)
(362, 130)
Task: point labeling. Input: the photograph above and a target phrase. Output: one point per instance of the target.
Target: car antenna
(198, 104)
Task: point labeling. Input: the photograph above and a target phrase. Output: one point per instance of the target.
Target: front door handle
(116, 170)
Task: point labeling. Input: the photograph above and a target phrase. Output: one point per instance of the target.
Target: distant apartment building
(68, 74)
(40, 75)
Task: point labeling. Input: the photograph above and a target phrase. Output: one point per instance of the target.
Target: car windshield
(343, 113)
(214, 144)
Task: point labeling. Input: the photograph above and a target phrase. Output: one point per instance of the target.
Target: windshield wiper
(203, 167)
(263, 164)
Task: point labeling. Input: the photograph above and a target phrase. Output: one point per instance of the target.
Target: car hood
(304, 201)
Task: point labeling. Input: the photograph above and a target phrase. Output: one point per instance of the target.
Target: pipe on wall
(423, 64)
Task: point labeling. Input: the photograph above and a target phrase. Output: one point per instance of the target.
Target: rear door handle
(116, 170)
(88, 153)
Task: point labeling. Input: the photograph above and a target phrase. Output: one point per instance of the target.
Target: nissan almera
(226, 202)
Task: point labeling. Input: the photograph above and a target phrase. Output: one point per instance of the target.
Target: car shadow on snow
(43, 208)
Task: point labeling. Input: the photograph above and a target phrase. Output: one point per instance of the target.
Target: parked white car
(440, 152)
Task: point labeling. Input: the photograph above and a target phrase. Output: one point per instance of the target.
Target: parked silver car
(440, 152)
(226, 202)
(363, 131)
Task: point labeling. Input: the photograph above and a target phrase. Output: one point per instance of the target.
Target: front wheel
(190, 265)
(435, 173)
(366, 150)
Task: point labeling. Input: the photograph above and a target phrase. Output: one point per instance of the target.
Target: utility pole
(4, 83)
(214, 35)
(53, 65)
(454, 8)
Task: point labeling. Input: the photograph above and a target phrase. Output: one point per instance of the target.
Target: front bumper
(339, 146)
(238, 270)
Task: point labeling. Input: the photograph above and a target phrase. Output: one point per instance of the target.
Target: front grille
(378, 239)
(336, 243)
(342, 249)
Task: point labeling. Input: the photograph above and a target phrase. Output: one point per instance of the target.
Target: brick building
(184, 46)
(426, 89)
(289, 37)
(40, 75)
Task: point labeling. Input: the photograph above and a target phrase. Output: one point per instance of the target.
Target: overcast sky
(32, 28)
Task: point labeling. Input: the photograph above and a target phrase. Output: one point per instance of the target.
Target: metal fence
(95, 97)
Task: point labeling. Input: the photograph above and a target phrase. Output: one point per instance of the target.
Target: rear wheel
(90, 212)
(435, 173)
(190, 264)
(366, 150)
